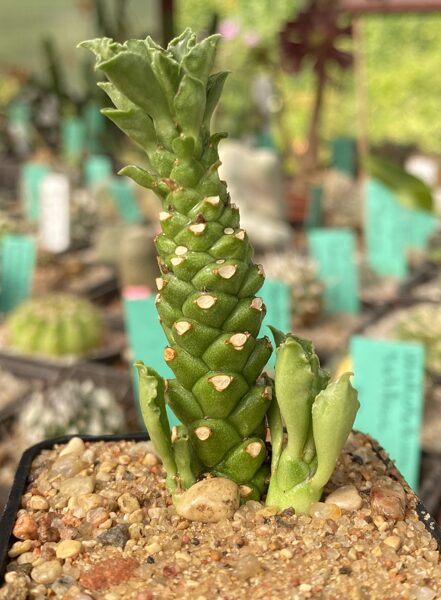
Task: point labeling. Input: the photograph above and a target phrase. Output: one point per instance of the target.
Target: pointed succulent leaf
(333, 414)
(180, 45)
(198, 62)
(275, 424)
(214, 91)
(132, 73)
(141, 176)
(136, 124)
(294, 380)
(103, 48)
(189, 105)
(166, 70)
(152, 401)
(184, 455)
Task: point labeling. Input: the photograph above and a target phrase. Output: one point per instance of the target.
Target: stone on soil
(47, 572)
(345, 497)
(209, 501)
(76, 486)
(115, 536)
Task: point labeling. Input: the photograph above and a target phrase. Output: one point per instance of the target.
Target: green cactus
(56, 325)
(207, 302)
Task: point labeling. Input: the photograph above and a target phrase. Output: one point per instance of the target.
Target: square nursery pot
(96, 523)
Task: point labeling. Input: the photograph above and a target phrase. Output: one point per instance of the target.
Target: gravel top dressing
(97, 523)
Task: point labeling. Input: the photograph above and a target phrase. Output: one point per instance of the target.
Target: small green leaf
(152, 402)
(140, 176)
(215, 86)
(333, 414)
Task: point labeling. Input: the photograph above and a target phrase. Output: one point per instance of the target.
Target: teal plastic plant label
(125, 200)
(95, 125)
(31, 177)
(97, 169)
(314, 216)
(386, 239)
(421, 226)
(344, 154)
(146, 337)
(334, 252)
(389, 377)
(73, 138)
(18, 255)
(277, 298)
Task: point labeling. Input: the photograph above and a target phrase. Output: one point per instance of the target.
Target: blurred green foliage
(401, 54)
(402, 65)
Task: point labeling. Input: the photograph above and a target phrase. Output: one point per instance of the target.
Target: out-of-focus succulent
(434, 248)
(56, 325)
(71, 407)
(300, 273)
(137, 260)
(422, 323)
(6, 225)
(342, 200)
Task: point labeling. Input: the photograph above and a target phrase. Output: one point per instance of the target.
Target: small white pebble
(346, 497)
(393, 541)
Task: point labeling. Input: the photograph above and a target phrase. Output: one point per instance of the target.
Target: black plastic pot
(18, 488)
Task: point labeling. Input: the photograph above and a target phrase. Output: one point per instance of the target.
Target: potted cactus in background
(198, 526)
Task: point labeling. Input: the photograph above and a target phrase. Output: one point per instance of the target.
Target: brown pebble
(389, 502)
(25, 527)
(108, 573)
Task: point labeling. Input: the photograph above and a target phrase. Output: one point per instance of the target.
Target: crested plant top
(207, 303)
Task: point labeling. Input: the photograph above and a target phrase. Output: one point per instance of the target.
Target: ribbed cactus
(207, 301)
(56, 325)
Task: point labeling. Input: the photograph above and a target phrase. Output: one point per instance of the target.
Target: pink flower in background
(251, 38)
(229, 29)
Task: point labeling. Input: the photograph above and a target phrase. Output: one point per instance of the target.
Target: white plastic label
(54, 213)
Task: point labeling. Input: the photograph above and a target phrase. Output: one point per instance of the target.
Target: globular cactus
(207, 303)
(307, 291)
(56, 325)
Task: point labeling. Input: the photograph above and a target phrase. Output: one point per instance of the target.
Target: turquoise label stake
(421, 226)
(277, 298)
(334, 252)
(389, 377)
(314, 216)
(31, 177)
(73, 138)
(146, 338)
(386, 229)
(17, 256)
(344, 155)
(97, 169)
(125, 200)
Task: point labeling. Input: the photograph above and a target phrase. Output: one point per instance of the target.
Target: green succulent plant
(55, 325)
(207, 304)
